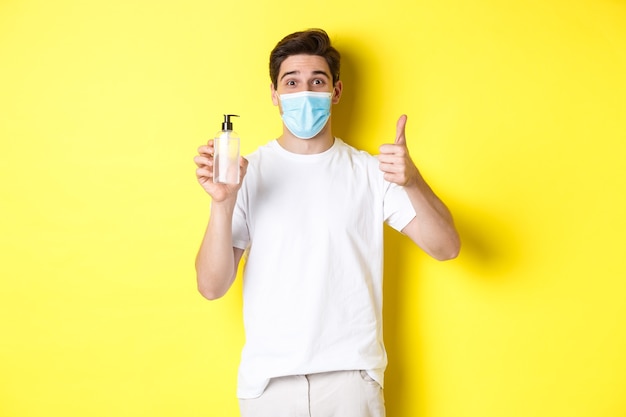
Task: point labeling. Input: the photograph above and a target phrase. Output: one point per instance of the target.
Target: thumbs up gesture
(395, 160)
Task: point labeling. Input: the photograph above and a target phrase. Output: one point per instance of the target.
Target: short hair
(308, 42)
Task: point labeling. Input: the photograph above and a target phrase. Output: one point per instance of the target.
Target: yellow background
(517, 118)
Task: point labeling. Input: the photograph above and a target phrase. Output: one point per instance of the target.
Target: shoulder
(263, 151)
(357, 156)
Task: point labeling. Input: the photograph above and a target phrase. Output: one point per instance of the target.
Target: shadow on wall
(347, 114)
(395, 323)
(488, 250)
(488, 244)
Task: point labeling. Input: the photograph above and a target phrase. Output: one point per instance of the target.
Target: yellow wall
(517, 117)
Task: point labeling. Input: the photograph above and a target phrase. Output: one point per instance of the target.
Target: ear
(337, 89)
(274, 95)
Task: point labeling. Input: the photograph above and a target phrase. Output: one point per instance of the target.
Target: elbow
(212, 287)
(448, 255)
(208, 288)
(210, 294)
(449, 251)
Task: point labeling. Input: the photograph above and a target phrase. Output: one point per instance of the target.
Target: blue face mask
(305, 113)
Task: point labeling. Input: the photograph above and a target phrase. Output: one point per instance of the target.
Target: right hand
(204, 173)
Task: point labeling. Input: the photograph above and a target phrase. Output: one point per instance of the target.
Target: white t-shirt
(312, 226)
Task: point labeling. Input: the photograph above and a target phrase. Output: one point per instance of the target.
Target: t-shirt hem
(240, 244)
(376, 374)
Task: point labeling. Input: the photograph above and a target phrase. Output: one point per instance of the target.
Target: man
(309, 213)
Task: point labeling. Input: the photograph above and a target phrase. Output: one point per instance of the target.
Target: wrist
(224, 205)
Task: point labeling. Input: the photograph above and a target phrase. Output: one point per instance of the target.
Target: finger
(391, 168)
(243, 164)
(243, 168)
(205, 151)
(208, 148)
(392, 149)
(202, 161)
(400, 130)
(390, 159)
(204, 173)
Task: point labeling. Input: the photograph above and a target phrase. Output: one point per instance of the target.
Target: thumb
(400, 129)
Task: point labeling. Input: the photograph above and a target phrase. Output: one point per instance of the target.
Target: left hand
(395, 160)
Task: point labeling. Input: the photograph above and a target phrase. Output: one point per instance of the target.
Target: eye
(318, 81)
(290, 83)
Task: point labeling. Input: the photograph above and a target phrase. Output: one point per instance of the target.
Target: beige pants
(330, 394)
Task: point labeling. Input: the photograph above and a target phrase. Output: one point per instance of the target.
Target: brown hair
(308, 42)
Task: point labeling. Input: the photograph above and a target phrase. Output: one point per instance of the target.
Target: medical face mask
(305, 113)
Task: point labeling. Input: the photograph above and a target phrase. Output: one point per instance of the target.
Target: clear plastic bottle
(226, 153)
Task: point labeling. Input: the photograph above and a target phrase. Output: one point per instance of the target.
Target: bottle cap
(227, 124)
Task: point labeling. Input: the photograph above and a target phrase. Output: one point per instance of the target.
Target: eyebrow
(316, 72)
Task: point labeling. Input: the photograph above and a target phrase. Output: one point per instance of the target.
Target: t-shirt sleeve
(397, 208)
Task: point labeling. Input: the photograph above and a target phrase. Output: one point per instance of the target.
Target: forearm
(433, 226)
(215, 261)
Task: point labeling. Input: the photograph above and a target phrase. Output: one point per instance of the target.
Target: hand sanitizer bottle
(226, 153)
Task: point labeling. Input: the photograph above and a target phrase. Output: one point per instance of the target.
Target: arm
(217, 260)
(432, 229)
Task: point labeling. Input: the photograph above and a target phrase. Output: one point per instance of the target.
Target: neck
(322, 142)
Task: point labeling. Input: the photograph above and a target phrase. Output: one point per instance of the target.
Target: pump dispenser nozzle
(227, 124)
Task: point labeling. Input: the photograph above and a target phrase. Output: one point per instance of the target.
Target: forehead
(304, 64)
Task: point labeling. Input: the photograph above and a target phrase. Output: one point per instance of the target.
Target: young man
(309, 212)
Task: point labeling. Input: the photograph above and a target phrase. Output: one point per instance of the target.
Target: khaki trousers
(329, 394)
